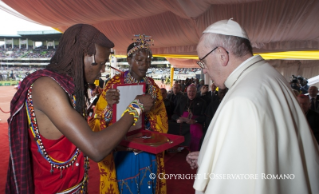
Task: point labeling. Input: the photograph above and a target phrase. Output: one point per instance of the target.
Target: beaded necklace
(129, 79)
(60, 165)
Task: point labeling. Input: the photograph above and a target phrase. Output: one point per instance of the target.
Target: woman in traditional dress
(124, 171)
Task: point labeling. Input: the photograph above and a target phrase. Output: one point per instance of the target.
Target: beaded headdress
(141, 41)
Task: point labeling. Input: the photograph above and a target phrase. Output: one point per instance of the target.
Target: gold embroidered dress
(155, 120)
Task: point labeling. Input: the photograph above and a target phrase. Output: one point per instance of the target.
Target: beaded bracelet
(108, 113)
(135, 109)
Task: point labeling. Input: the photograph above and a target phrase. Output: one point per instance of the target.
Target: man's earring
(94, 63)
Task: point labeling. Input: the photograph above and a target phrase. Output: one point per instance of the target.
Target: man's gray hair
(235, 45)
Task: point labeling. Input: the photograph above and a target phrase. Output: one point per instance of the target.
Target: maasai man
(48, 133)
(130, 172)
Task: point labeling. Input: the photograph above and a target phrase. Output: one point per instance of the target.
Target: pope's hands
(112, 96)
(192, 159)
(147, 101)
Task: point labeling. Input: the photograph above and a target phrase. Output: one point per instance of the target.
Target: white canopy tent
(176, 25)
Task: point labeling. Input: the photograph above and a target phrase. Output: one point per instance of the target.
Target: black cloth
(197, 107)
(313, 120)
(315, 104)
(169, 106)
(206, 97)
(209, 113)
(101, 83)
(183, 87)
(213, 95)
(175, 98)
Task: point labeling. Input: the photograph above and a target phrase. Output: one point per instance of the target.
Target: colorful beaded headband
(140, 42)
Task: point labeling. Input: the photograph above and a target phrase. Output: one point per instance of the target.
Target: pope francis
(259, 140)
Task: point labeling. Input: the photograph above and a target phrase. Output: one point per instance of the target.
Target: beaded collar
(129, 79)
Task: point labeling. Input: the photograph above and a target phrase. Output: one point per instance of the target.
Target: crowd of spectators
(187, 70)
(43, 52)
(8, 73)
(23, 52)
(15, 73)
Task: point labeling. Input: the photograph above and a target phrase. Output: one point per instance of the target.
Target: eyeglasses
(202, 64)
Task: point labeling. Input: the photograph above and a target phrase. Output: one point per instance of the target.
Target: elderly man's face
(212, 65)
(176, 88)
(304, 104)
(313, 90)
(191, 92)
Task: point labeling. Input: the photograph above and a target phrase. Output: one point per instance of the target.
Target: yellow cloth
(158, 120)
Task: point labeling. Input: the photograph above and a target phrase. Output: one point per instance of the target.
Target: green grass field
(8, 83)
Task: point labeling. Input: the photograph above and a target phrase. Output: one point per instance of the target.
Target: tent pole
(172, 76)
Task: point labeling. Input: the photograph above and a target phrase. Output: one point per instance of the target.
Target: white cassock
(259, 140)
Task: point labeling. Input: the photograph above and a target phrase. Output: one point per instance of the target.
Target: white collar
(242, 64)
(232, 78)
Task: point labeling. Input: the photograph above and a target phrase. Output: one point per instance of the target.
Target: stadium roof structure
(9, 36)
(176, 26)
(46, 35)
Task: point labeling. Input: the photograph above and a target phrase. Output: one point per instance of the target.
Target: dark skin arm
(112, 97)
(56, 117)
